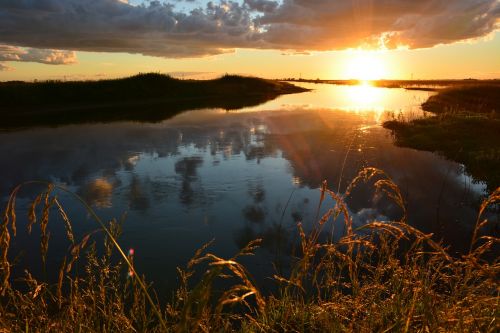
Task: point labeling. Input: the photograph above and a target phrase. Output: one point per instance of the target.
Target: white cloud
(51, 57)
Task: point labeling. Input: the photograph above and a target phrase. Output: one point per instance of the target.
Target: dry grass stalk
(382, 276)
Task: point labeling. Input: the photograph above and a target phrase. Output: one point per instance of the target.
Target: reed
(382, 276)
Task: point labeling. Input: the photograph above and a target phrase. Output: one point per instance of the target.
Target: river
(233, 176)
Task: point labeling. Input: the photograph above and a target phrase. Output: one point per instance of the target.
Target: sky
(326, 39)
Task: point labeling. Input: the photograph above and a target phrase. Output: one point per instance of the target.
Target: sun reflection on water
(373, 104)
(365, 97)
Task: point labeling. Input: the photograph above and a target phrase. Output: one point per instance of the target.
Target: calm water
(212, 174)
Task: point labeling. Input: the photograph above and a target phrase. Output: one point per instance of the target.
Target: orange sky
(273, 39)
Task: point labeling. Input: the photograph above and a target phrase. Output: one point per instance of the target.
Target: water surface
(236, 176)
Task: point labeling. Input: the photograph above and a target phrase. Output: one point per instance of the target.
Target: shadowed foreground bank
(465, 128)
(144, 97)
(383, 276)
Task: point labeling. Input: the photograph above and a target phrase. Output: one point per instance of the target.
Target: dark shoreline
(144, 97)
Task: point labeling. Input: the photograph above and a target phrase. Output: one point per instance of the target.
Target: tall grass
(382, 276)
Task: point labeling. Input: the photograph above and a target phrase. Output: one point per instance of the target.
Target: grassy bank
(144, 97)
(381, 277)
(465, 128)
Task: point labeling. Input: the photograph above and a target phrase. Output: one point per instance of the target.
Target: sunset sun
(365, 66)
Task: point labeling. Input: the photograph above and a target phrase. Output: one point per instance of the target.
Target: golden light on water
(98, 192)
(365, 97)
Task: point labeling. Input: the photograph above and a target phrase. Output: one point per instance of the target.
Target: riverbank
(465, 128)
(143, 97)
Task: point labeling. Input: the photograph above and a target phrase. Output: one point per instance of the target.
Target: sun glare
(365, 66)
(364, 97)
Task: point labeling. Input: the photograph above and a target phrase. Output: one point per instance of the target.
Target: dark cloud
(158, 29)
(114, 26)
(264, 6)
(326, 25)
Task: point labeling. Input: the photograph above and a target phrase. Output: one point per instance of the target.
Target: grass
(143, 97)
(383, 276)
(465, 128)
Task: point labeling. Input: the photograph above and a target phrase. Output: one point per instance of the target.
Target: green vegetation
(383, 276)
(465, 128)
(144, 97)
